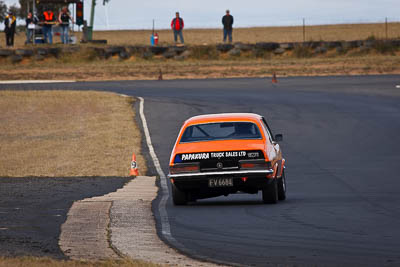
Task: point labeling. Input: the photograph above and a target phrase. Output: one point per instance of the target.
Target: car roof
(208, 118)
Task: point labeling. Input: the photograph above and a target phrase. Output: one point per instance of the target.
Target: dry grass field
(66, 133)
(352, 62)
(345, 32)
(336, 32)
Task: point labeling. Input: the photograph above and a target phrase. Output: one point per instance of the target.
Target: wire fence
(385, 29)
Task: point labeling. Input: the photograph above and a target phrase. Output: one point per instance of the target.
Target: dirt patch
(65, 133)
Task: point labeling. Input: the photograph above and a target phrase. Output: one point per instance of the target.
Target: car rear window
(220, 131)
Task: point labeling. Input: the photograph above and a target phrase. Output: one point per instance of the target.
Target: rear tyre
(179, 197)
(270, 193)
(282, 187)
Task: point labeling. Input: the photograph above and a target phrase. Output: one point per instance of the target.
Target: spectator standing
(63, 18)
(177, 26)
(227, 21)
(48, 16)
(9, 28)
(30, 27)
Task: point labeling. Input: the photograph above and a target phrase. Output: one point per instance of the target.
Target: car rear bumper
(241, 173)
(247, 181)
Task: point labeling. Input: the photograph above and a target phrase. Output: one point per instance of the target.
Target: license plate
(220, 182)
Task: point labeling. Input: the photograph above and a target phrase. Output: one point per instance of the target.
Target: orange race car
(222, 154)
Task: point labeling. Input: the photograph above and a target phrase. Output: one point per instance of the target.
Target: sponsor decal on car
(221, 155)
(195, 156)
(212, 155)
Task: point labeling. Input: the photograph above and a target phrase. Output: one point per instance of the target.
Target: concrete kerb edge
(119, 225)
(78, 231)
(68, 245)
(109, 234)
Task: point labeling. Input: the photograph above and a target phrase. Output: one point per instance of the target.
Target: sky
(139, 14)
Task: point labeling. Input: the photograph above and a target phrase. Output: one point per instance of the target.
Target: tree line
(4, 9)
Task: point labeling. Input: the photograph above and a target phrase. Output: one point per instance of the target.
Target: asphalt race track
(342, 146)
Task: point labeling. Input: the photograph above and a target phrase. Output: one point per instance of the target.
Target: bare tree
(24, 7)
(16, 10)
(3, 11)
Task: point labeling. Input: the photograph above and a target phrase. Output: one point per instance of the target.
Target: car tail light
(184, 168)
(254, 164)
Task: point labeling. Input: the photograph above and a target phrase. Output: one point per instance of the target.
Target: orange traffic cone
(274, 79)
(134, 167)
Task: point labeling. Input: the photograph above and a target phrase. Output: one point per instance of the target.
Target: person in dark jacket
(227, 21)
(9, 28)
(177, 26)
(63, 18)
(30, 27)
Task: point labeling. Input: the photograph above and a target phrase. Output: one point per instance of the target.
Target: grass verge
(67, 133)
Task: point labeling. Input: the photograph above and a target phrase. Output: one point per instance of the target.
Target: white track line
(37, 81)
(165, 226)
(397, 86)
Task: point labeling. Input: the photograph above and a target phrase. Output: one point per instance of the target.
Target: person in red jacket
(177, 26)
